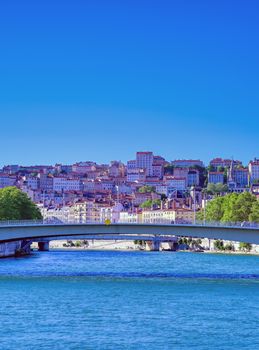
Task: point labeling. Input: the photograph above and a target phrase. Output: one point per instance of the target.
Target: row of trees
(232, 208)
(219, 245)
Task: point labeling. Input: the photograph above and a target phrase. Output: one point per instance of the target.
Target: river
(129, 300)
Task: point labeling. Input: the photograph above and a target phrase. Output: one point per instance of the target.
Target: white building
(129, 218)
(61, 184)
(136, 174)
(158, 170)
(6, 181)
(175, 183)
(62, 214)
(111, 213)
(215, 177)
(145, 160)
(186, 163)
(253, 168)
(193, 178)
(162, 189)
(131, 164)
(107, 185)
(83, 167)
(32, 182)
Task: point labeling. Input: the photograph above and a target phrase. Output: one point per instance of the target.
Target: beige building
(86, 212)
(168, 215)
(159, 216)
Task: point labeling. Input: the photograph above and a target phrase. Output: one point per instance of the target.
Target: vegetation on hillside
(151, 204)
(147, 189)
(233, 207)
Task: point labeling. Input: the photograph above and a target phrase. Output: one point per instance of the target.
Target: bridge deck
(60, 231)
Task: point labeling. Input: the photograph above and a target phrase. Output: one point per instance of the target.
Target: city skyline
(124, 161)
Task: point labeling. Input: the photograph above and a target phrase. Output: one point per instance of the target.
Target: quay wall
(9, 248)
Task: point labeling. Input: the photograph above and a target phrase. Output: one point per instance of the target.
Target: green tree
(238, 207)
(254, 215)
(229, 246)
(211, 168)
(232, 208)
(146, 189)
(218, 188)
(214, 210)
(149, 203)
(245, 246)
(16, 205)
(219, 245)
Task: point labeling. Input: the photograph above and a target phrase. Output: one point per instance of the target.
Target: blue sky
(99, 80)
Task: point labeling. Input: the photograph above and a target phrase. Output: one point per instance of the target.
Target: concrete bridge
(155, 232)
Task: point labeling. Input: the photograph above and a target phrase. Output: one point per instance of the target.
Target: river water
(129, 300)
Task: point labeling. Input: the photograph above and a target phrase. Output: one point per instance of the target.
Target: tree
(219, 245)
(211, 168)
(146, 204)
(229, 246)
(149, 203)
(254, 215)
(232, 208)
(169, 169)
(245, 246)
(214, 210)
(146, 189)
(16, 205)
(218, 188)
(238, 207)
(163, 197)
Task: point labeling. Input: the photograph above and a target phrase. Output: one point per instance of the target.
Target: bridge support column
(173, 246)
(43, 246)
(155, 246)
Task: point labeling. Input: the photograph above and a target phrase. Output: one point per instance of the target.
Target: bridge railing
(21, 222)
(157, 221)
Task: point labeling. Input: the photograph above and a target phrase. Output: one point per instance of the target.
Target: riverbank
(93, 245)
(128, 246)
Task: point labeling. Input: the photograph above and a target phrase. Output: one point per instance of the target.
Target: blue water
(129, 300)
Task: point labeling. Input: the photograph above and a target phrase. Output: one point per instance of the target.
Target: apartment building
(215, 177)
(253, 168)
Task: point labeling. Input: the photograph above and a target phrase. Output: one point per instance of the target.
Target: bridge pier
(43, 246)
(173, 246)
(155, 245)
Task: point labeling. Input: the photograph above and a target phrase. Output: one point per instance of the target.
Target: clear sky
(101, 79)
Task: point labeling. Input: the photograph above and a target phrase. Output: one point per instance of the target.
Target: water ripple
(138, 275)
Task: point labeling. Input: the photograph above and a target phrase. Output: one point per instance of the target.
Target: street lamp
(205, 202)
(194, 205)
(117, 191)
